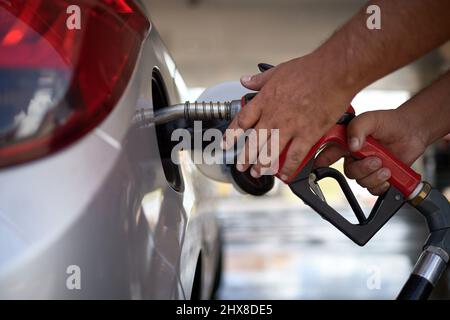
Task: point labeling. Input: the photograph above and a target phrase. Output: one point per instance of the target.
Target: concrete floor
(277, 248)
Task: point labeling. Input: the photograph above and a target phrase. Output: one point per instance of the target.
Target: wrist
(333, 75)
(417, 124)
(429, 111)
(341, 68)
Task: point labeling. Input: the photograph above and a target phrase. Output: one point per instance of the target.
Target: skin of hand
(397, 132)
(406, 132)
(304, 97)
(302, 116)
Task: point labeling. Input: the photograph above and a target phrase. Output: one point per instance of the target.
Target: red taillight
(56, 83)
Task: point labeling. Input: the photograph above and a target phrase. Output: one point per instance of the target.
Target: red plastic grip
(402, 177)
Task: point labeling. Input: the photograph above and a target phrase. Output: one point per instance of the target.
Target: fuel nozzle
(198, 110)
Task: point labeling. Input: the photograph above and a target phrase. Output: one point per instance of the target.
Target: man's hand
(301, 99)
(397, 131)
(405, 131)
(305, 96)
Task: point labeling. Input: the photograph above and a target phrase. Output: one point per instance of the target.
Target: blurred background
(275, 246)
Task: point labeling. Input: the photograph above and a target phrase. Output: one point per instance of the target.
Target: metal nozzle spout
(211, 110)
(226, 110)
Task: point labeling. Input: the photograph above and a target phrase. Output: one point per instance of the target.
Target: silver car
(92, 206)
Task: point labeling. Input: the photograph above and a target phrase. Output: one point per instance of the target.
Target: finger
(358, 169)
(278, 141)
(294, 157)
(360, 127)
(249, 154)
(375, 179)
(329, 155)
(230, 136)
(267, 162)
(257, 81)
(244, 120)
(379, 190)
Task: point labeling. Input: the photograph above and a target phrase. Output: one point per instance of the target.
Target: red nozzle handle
(403, 177)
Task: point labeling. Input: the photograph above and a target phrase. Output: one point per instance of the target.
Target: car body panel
(104, 205)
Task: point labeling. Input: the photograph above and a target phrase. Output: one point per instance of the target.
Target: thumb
(257, 81)
(361, 127)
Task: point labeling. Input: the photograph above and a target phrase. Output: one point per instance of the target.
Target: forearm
(357, 56)
(429, 110)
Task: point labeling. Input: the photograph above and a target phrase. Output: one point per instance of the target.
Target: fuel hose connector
(204, 110)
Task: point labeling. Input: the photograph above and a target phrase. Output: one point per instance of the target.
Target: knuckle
(348, 160)
(364, 184)
(379, 180)
(295, 158)
(352, 170)
(348, 171)
(258, 168)
(379, 189)
(286, 171)
(288, 168)
(362, 169)
(291, 163)
(242, 120)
